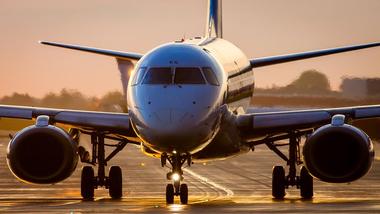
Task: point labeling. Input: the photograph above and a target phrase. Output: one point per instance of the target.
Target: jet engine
(338, 152)
(42, 153)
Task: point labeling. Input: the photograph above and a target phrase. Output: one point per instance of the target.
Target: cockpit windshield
(188, 76)
(158, 76)
(210, 76)
(178, 76)
(138, 76)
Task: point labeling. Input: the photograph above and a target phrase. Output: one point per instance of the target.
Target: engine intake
(42, 154)
(338, 153)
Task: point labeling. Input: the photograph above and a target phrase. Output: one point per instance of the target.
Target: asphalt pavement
(237, 185)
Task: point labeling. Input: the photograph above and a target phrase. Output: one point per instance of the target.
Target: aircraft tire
(278, 182)
(87, 183)
(183, 194)
(169, 194)
(306, 184)
(115, 180)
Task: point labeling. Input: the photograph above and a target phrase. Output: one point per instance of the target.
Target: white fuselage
(174, 103)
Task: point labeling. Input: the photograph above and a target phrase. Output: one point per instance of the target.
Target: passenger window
(158, 76)
(138, 76)
(188, 76)
(210, 76)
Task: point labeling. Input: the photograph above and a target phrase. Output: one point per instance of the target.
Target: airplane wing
(265, 61)
(272, 123)
(116, 54)
(117, 123)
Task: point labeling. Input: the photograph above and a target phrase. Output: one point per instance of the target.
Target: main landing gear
(113, 182)
(281, 181)
(176, 175)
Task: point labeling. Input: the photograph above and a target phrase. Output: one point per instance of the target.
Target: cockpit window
(158, 76)
(210, 76)
(188, 76)
(138, 76)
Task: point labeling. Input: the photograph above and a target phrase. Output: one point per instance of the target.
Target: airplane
(186, 103)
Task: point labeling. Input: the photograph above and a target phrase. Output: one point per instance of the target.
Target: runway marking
(229, 193)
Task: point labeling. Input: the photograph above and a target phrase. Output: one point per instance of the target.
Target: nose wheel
(183, 194)
(170, 194)
(177, 189)
(176, 175)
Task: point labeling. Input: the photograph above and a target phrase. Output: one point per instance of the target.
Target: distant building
(360, 87)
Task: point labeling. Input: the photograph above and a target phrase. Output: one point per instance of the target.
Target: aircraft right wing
(117, 54)
(117, 123)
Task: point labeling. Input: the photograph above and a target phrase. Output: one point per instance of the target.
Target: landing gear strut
(280, 181)
(176, 175)
(112, 182)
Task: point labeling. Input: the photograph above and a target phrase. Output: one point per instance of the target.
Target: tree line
(70, 99)
(310, 82)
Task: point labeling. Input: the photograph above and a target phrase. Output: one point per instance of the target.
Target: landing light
(175, 177)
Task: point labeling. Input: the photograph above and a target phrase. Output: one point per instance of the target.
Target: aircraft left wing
(272, 60)
(117, 123)
(273, 123)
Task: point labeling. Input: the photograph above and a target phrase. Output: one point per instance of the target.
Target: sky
(259, 27)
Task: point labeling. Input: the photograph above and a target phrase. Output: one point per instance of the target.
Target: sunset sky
(259, 27)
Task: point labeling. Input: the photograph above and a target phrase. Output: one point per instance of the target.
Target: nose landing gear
(176, 175)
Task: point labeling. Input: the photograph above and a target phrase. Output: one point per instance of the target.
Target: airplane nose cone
(172, 117)
(182, 118)
(173, 121)
(177, 129)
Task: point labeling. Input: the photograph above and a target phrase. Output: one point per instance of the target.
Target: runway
(237, 185)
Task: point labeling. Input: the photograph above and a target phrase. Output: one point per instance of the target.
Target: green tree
(19, 99)
(113, 101)
(310, 82)
(67, 98)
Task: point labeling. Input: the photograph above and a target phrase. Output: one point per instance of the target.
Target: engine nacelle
(338, 153)
(42, 154)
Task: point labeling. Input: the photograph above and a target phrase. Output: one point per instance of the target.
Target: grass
(8, 124)
(309, 101)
